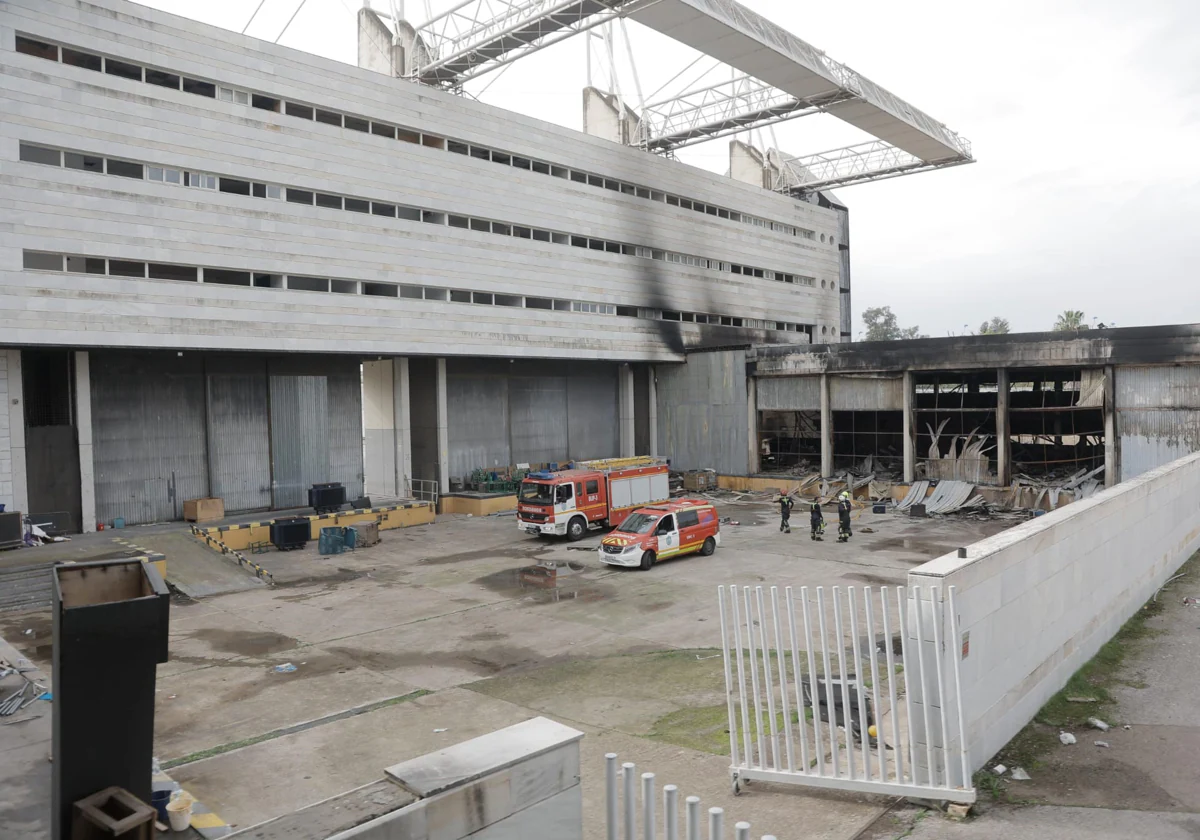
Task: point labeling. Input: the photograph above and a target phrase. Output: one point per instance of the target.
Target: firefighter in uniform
(844, 506)
(816, 520)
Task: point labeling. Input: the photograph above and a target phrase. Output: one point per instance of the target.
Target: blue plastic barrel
(331, 541)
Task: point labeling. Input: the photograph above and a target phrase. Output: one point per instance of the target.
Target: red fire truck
(592, 494)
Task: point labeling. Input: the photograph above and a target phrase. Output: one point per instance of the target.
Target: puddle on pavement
(245, 644)
(520, 551)
(913, 544)
(543, 583)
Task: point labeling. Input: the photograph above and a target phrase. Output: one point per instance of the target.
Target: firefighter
(785, 512)
(816, 520)
(844, 506)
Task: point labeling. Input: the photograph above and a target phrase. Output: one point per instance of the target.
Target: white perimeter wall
(1040, 599)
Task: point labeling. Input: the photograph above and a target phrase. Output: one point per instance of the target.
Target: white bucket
(179, 812)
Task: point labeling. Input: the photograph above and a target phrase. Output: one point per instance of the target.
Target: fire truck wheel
(576, 528)
(647, 561)
(710, 545)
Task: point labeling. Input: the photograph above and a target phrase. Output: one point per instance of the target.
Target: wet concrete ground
(394, 643)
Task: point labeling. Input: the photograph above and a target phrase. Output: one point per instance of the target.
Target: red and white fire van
(650, 534)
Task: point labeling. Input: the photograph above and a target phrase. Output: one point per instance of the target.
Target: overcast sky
(1084, 116)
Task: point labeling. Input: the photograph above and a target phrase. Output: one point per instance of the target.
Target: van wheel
(647, 560)
(710, 545)
(576, 529)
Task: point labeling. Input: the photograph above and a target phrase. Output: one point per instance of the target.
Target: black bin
(287, 534)
(324, 498)
(110, 633)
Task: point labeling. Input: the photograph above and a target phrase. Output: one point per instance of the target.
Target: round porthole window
(822, 237)
(822, 284)
(824, 330)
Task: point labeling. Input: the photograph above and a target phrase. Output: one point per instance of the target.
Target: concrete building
(206, 236)
(983, 409)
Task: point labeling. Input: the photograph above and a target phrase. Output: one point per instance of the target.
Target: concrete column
(826, 428)
(910, 428)
(1003, 431)
(1112, 449)
(625, 412)
(754, 461)
(16, 432)
(652, 410)
(83, 429)
(402, 412)
(443, 431)
(379, 429)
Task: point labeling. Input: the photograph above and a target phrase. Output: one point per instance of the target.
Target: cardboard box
(203, 510)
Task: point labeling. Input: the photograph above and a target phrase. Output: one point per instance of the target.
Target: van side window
(563, 493)
(706, 515)
(666, 525)
(688, 518)
(593, 487)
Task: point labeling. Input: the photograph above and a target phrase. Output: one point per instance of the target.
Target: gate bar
(781, 662)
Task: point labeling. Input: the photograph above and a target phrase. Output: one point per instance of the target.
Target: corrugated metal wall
(148, 434)
(477, 408)
(345, 431)
(1158, 416)
(299, 437)
(788, 393)
(703, 420)
(239, 446)
(538, 412)
(866, 393)
(593, 427)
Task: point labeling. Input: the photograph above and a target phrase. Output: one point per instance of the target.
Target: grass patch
(221, 749)
(706, 728)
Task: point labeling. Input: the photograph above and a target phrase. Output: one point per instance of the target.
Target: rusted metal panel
(788, 393)
(866, 393)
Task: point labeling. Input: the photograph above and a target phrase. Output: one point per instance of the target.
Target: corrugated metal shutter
(537, 409)
(239, 451)
(148, 433)
(299, 437)
(345, 431)
(477, 419)
(1158, 416)
(702, 412)
(866, 393)
(789, 393)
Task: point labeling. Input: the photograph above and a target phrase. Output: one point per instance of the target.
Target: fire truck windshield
(537, 494)
(638, 523)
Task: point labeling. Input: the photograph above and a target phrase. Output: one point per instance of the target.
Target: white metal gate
(801, 711)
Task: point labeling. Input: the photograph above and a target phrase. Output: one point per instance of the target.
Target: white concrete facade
(60, 210)
(13, 490)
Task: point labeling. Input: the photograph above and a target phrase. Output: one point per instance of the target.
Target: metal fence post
(671, 811)
(648, 826)
(692, 825)
(716, 823)
(610, 794)
(742, 831)
(630, 800)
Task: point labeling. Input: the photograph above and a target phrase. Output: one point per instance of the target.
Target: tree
(1070, 320)
(996, 326)
(882, 325)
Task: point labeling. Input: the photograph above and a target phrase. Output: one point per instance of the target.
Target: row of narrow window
(79, 264)
(213, 90)
(49, 156)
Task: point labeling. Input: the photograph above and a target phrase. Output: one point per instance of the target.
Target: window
(358, 205)
(268, 281)
(379, 289)
(238, 97)
(125, 169)
(126, 268)
(267, 191)
(430, 217)
(200, 88)
(404, 135)
(380, 209)
(332, 201)
(266, 103)
(295, 109)
(412, 214)
(299, 196)
(688, 518)
(541, 235)
(308, 284)
(501, 228)
(226, 277)
(627, 311)
(500, 157)
(413, 292)
(673, 201)
(481, 225)
(508, 300)
(159, 271)
(666, 525)
(457, 148)
(480, 153)
(562, 306)
(538, 303)
(230, 185)
(39, 49)
(593, 487)
(356, 124)
(119, 68)
(35, 261)
(86, 265)
(458, 296)
(433, 141)
(481, 297)
(383, 130)
(328, 117)
(578, 177)
(459, 221)
(563, 493)
(202, 180)
(521, 163)
(543, 168)
(559, 171)
(436, 294)
(81, 59)
(343, 287)
(166, 176)
(90, 163)
(610, 184)
(162, 79)
(40, 154)
(522, 232)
